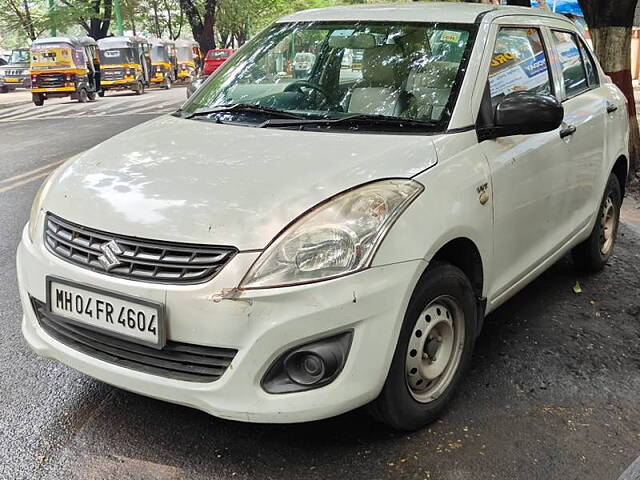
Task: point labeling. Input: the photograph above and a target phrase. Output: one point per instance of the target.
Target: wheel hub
(434, 349)
(608, 224)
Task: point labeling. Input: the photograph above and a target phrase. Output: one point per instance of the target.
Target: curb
(633, 472)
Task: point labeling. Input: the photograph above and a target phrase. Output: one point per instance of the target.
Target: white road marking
(23, 182)
(31, 172)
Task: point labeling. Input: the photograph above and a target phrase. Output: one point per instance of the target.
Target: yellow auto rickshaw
(64, 67)
(164, 63)
(126, 64)
(189, 59)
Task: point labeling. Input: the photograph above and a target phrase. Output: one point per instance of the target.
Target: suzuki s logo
(109, 257)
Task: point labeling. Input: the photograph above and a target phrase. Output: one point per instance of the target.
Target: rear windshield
(116, 56)
(184, 54)
(218, 54)
(158, 53)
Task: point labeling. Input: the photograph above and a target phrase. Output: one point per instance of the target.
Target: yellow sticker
(449, 36)
(502, 58)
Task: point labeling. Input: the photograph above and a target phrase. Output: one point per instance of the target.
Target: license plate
(11, 80)
(111, 313)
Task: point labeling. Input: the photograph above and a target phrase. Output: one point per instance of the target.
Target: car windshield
(334, 70)
(19, 56)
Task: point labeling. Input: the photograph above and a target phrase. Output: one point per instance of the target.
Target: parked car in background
(286, 251)
(195, 84)
(16, 72)
(215, 58)
(302, 64)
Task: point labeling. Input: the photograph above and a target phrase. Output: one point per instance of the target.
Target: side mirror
(524, 113)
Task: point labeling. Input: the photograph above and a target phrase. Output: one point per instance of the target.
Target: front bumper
(260, 324)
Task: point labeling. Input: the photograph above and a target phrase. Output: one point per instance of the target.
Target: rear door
(585, 109)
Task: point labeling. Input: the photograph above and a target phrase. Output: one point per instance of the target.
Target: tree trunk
(99, 24)
(610, 24)
(201, 26)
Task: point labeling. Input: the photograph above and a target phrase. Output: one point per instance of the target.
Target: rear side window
(574, 73)
(519, 63)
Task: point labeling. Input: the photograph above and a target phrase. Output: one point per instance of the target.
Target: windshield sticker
(111, 53)
(450, 36)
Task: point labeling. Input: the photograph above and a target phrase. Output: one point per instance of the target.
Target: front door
(529, 172)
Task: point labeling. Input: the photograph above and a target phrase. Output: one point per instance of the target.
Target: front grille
(112, 74)
(142, 260)
(15, 73)
(180, 361)
(49, 80)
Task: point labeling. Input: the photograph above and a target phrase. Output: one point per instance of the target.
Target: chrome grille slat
(141, 259)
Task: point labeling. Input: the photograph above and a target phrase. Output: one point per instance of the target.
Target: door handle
(611, 107)
(567, 131)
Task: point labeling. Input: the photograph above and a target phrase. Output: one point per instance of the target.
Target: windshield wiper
(244, 108)
(355, 120)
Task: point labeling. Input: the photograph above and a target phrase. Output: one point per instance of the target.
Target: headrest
(433, 75)
(379, 66)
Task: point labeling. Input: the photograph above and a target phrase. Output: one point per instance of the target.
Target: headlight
(36, 207)
(335, 238)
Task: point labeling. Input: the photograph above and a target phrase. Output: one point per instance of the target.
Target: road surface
(553, 392)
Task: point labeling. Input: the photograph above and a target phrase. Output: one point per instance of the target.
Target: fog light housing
(309, 366)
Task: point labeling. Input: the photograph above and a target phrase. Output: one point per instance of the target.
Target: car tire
(92, 96)
(101, 93)
(82, 95)
(594, 253)
(440, 323)
(38, 100)
(139, 88)
(167, 83)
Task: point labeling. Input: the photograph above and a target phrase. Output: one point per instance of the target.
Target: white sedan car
(285, 250)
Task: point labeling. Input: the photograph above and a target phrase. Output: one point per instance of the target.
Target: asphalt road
(553, 392)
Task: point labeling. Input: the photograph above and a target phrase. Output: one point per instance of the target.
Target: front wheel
(91, 96)
(82, 96)
(139, 90)
(101, 93)
(433, 351)
(38, 99)
(594, 253)
(167, 83)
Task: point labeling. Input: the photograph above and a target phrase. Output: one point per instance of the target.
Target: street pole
(53, 23)
(116, 7)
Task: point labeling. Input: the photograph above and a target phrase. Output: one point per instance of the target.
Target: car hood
(195, 181)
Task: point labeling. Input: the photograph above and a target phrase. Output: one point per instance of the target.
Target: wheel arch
(621, 171)
(463, 253)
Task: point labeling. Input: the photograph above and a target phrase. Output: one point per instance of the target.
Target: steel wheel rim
(608, 225)
(435, 349)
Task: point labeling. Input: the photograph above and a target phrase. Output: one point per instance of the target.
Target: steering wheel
(299, 84)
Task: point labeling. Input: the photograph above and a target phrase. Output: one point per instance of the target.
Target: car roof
(447, 12)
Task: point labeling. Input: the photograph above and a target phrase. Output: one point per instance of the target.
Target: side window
(592, 71)
(573, 71)
(519, 63)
